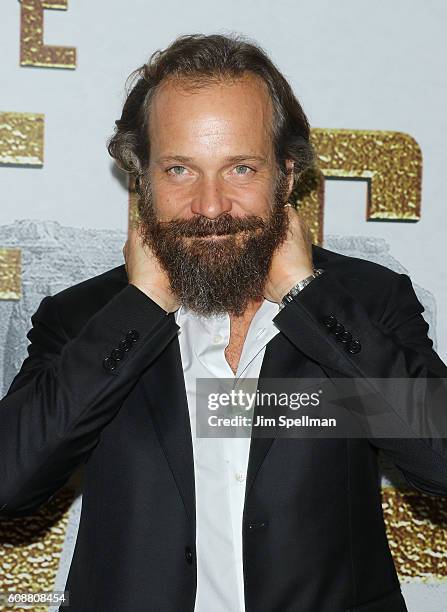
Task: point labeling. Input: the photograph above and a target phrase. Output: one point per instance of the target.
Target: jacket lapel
(164, 387)
(281, 360)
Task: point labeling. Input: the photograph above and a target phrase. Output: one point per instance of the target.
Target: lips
(225, 235)
(215, 236)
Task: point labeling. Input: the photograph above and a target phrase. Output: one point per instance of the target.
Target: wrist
(286, 284)
(163, 298)
(299, 285)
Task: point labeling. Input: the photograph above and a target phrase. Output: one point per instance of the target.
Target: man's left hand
(292, 261)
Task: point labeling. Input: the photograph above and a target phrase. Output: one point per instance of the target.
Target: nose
(210, 199)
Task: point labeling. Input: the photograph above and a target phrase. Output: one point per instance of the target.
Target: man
(220, 280)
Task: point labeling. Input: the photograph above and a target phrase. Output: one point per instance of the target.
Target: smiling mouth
(209, 237)
(221, 236)
(214, 236)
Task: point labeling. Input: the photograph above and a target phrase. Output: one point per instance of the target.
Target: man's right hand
(145, 272)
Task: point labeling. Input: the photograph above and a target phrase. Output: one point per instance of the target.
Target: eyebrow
(232, 159)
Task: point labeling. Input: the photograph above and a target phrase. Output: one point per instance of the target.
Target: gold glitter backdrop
(21, 139)
(390, 163)
(416, 526)
(10, 274)
(31, 547)
(33, 51)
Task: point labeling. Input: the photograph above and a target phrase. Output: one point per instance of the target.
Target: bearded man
(221, 281)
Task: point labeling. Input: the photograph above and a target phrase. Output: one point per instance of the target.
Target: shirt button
(217, 339)
(189, 555)
(240, 476)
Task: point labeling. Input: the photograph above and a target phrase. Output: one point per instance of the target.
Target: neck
(238, 330)
(248, 314)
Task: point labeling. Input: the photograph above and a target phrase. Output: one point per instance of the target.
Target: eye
(242, 170)
(176, 170)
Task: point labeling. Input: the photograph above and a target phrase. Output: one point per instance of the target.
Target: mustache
(200, 226)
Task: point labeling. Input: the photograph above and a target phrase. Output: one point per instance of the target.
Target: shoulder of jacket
(349, 267)
(78, 303)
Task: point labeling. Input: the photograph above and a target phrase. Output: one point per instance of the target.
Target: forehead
(226, 113)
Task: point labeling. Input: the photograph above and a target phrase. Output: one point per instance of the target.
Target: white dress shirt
(220, 464)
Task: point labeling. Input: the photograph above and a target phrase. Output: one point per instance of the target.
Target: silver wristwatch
(300, 286)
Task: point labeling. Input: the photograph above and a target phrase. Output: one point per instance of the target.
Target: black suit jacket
(313, 529)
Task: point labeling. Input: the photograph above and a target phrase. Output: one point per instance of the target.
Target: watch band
(300, 286)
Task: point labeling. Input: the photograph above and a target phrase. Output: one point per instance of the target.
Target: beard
(215, 266)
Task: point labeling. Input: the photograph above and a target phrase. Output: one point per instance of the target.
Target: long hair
(201, 59)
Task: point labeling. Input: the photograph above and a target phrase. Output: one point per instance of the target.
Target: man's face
(213, 199)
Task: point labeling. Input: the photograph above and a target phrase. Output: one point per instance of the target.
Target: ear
(291, 177)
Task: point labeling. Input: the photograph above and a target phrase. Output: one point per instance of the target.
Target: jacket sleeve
(67, 390)
(382, 352)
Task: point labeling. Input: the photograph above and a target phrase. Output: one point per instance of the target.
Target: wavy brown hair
(203, 59)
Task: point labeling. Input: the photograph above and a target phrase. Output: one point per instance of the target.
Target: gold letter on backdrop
(391, 163)
(416, 526)
(21, 139)
(33, 52)
(21, 144)
(10, 274)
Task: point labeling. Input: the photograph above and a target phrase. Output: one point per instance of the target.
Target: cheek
(253, 200)
(169, 201)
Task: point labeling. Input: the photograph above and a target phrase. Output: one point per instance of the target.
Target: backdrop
(371, 78)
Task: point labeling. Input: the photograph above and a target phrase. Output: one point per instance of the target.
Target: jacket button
(354, 346)
(338, 330)
(330, 321)
(255, 526)
(188, 555)
(132, 335)
(345, 337)
(125, 344)
(117, 354)
(109, 364)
